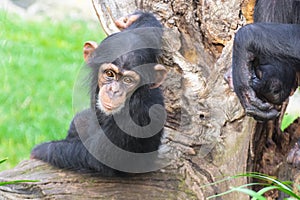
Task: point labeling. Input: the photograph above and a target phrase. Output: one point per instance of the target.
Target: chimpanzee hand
(253, 105)
(242, 75)
(41, 151)
(270, 44)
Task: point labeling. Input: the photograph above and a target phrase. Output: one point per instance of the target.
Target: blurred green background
(40, 60)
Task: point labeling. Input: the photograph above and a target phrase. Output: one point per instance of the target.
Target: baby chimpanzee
(121, 132)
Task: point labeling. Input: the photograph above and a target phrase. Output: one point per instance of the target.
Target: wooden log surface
(54, 183)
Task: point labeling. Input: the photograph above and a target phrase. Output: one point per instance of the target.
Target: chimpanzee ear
(161, 74)
(125, 22)
(88, 49)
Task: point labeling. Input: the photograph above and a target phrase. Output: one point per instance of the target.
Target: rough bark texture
(62, 184)
(207, 133)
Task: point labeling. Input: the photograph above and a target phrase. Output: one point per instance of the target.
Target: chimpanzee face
(115, 85)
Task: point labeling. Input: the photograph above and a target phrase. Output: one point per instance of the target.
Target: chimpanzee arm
(281, 41)
(71, 153)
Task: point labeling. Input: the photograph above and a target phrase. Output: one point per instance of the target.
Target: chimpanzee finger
(258, 103)
(260, 115)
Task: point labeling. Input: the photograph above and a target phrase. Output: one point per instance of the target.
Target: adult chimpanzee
(123, 128)
(266, 57)
(266, 60)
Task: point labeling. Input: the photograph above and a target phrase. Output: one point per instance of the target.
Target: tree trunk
(208, 135)
(206, 128)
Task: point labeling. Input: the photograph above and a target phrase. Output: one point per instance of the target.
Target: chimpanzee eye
(109, 73)
(127, 80)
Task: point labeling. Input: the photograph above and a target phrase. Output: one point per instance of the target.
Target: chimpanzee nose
(115, 90)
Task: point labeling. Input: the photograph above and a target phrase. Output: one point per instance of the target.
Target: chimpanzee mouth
(109, 106)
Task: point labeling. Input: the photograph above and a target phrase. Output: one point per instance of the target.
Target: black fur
(71, 153)
(269, 47)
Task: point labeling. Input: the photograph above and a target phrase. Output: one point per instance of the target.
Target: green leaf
(270, 183)
(17, 181)
(233, 189)
(3, 160)
(251, 193)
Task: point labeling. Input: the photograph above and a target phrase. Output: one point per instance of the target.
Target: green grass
(2, 183)
(38, 67)
(267, 183)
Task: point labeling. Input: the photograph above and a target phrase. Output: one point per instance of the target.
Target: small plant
(268, 183)
(13, 182)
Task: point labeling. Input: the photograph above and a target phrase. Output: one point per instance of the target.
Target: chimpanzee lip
(109, 106)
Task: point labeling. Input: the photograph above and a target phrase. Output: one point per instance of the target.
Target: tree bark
(206, 128)
(207, 133)
(63, 184)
